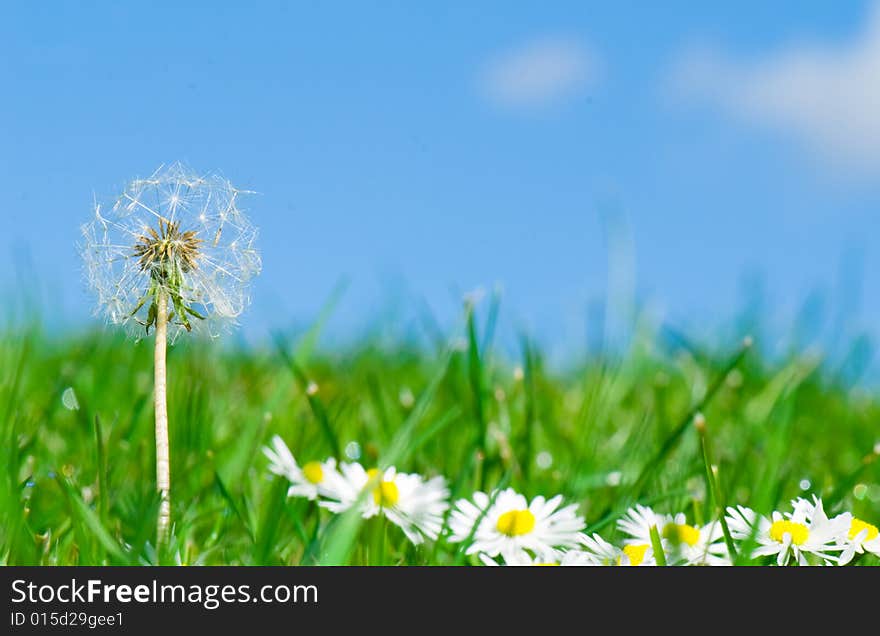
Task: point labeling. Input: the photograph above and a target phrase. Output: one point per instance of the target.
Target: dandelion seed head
(175, 232)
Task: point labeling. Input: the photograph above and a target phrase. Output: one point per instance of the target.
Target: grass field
(78, 451)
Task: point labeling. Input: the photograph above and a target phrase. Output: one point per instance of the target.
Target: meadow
(606, 431)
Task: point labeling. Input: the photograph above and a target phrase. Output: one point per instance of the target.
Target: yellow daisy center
(857, 526)
(635, 553)
(515, 523)
(798, 531)
(682, 533)
(545, 564)
(313, 472)
(386, 493)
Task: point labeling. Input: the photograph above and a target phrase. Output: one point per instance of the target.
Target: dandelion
(805, 530)
(510, 525)
(312, 479)
(173, 253)
(408, 500)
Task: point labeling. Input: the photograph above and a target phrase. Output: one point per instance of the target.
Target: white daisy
(682, 543)
(856, 536)
(311, 480)
(637, 522)
(696, 545)
(861, 537)
(806, 530)
(600, 552)
(413, 504)
(510, 526)
(569, 558)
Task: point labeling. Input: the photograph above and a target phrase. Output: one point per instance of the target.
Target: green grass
(78, 484)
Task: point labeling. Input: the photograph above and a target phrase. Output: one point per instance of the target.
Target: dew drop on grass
(68, 399)
(859, 491)
(804, 484)
(353, 451)
(406, 397)
(544, 460)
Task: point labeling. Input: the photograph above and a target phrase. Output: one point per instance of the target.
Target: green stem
(657, 545)
(712, 485)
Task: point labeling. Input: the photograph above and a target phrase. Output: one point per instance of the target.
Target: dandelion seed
(150, 260)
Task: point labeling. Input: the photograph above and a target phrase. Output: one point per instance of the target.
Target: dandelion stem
(163, 464)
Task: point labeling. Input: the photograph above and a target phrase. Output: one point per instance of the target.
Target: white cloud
(539, 73)
(827, 95)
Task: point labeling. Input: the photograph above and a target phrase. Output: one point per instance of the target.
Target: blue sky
(424, 150)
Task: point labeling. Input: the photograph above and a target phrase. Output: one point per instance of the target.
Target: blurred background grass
(608, 430)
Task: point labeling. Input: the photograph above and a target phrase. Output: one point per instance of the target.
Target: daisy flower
(599, 552)
(683, 544)
(311, 480)
(856, 536)
(806, 530)
(696, 545)
(569, 558)
(861, 537)
(512, 527)
(409, 501)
